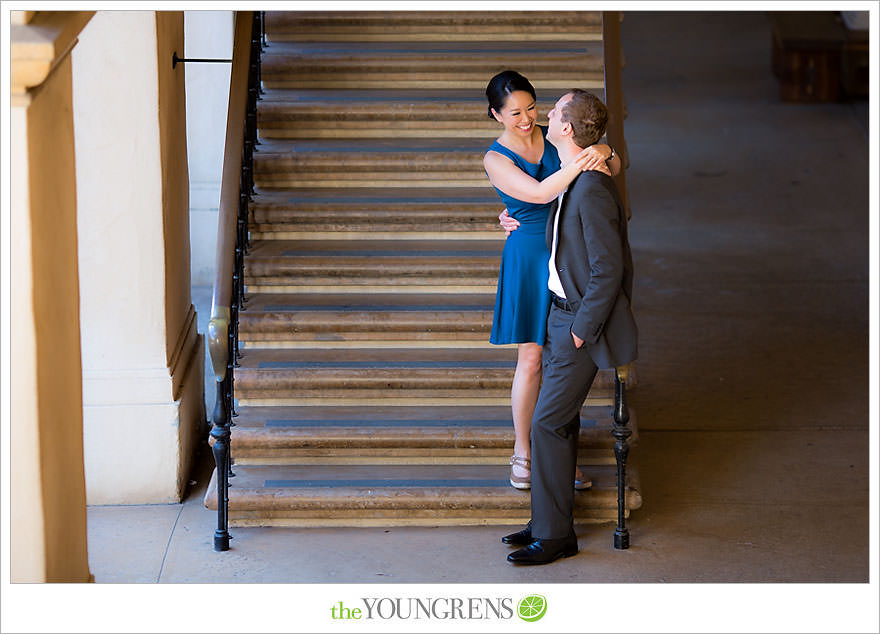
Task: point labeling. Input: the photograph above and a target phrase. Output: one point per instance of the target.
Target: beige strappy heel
(520, 482)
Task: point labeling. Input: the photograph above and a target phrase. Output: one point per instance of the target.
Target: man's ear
(566, 128)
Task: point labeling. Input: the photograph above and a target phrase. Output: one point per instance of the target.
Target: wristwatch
(611, 156)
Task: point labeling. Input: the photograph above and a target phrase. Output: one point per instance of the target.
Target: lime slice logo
(532, 608)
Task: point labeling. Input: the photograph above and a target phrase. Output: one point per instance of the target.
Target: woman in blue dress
(524, 168)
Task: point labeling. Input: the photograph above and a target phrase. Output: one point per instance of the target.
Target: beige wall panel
(139, 325)
(123, 446)
(119, 179)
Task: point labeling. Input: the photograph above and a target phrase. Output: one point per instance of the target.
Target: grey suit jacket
(594, 261)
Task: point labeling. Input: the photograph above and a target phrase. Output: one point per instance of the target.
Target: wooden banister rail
(614, 95)
(230, 190)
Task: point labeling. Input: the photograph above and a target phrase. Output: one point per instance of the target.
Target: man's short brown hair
(587, 115)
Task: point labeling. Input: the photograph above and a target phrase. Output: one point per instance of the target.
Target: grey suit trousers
(568, 375)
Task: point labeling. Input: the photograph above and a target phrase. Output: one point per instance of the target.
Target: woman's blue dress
(523, 299)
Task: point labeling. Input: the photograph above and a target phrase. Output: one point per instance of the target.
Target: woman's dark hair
(503, 84)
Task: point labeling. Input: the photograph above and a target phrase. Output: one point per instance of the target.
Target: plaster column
(208, 35)
(48, 540)
(143, 391)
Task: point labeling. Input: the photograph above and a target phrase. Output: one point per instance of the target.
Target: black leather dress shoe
(520, 538)
(543, 551)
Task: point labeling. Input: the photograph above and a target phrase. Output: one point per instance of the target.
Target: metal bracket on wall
(182, 60)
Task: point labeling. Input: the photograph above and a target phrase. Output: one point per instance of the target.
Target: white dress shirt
(554, 283)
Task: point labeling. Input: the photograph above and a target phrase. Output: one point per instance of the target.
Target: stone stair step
(287, 318)
(416, 376)
(374, 213)
(366, 320)
(315, 114)
(404, 162)
(280, 266)
(358, 495)
(406, 65)
(287, 263)
(337, 435)
(308, 26)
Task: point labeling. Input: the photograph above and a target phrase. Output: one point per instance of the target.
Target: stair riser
(371, 179)
(496, 34)
(402, 213)
(379, 378)
(398, 452)
(366, 400)
(398, 66)
(426, 228)
(455, 233)
(434, 26)
(441, 377)
(407, 339)
(348, 394)
(335, 286)
(281, 21)
(360, 342)
(385, 456)
(365, 283)
(375, 266)
(292, 324)
(382, 82)
(279, 439)
(404, 518)
(418, 164)
(354, 497)
(366, 501)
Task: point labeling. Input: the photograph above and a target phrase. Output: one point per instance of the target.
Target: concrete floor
(749, 233)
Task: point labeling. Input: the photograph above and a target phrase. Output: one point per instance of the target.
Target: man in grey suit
(590, 326)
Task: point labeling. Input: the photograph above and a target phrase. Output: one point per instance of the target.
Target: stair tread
(495, 357)
(278, 19)
(281, 302)
(269, 147)
(259, 417)
(485, 428)
(424, 493)
(428, 49)
(431, 478)
(275, 96)
(296, 249)
(376, 195)
(377, 210)
(376, 413)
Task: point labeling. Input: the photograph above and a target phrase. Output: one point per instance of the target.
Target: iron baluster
(220, 434)
(242, 240)
(621, 433)
(233, 309)
(230, 398)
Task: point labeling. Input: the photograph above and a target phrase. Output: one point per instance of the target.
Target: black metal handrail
(229, 296)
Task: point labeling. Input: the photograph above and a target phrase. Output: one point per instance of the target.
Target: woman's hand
(594, 158)
(507, 223)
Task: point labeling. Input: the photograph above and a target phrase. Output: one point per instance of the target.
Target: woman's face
(519, 113)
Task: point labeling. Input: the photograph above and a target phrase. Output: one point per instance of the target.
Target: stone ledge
(39, 41)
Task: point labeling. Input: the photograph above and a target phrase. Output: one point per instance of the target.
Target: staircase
(368, 393)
